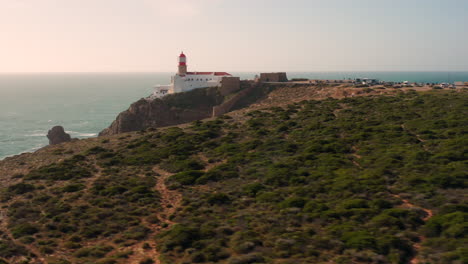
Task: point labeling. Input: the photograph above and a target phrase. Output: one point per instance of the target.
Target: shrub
(218, 198)
(73, 188)
(24, 229)
(95, 150)
(179, 236)
(8, 249)
(186, 177)
(137, 233)
(297, 202)
(355, 203)
(175, 165)
(253, 189)
(147, 261)
(21, 188)
(247, 259)
(359, 240)
(93, 252)
(66, 170)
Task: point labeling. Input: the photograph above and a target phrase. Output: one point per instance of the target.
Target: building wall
(229, 85)
(273, 77)
(187, 83)
(190, 82)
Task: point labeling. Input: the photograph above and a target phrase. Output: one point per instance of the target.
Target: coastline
(75, 135)
(98, 98)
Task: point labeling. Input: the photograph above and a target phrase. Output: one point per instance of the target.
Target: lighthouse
(182, 64)
(184, 81)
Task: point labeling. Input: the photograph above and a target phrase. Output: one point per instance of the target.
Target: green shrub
(73, 188)
(147, 261)
(175, 165)
(179, 236)
(355, 203)
(247, 259)
(359, 240)
(96, 150)
(24, 229)
(218, 198)
(93, 252)
(186, 177)
(297, 202)
(21, 188)
(136, 233)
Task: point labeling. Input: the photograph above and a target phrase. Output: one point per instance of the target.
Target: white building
(184, 81)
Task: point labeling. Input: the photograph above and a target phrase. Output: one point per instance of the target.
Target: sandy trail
(429, 215)
(170, 199)
(418, 137)
(170, 202)
(6, 230)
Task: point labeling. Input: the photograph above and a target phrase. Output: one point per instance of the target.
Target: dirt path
(170, 202)
(429, 215)
(6, 231)
(417, 137)
(210, 165)
(4, 222)
(356, 156)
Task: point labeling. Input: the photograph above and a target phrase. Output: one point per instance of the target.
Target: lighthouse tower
(182, 64)
(184, 81)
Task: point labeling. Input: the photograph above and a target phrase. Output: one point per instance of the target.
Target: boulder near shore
(57, 135)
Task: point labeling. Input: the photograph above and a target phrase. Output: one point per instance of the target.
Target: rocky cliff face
(170, 110)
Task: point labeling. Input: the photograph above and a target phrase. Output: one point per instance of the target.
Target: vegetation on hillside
(315, 182)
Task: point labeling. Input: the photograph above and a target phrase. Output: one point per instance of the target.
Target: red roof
(182, 55)
(209, 73)
(221, 73)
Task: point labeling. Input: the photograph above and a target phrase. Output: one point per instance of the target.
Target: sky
(233, 35)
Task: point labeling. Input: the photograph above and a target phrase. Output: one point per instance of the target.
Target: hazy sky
(233, 35)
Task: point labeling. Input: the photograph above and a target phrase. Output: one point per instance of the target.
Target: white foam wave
(79, 134)
(83, 123)
(37, 135)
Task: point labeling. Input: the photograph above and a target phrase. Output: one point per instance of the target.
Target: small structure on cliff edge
(57, 135)
(273, 77)
(184, 81)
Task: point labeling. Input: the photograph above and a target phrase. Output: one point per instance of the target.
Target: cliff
(181, 108)
(171, 110)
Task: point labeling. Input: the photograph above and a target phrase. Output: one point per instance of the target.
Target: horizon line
(171, 72)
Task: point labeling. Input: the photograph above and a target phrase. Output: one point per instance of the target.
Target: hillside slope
(377, 179)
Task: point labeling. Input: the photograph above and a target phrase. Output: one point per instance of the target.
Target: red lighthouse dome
(182, 64)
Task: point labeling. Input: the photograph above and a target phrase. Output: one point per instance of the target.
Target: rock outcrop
(57, 135)
(180, 108)
(173, 109)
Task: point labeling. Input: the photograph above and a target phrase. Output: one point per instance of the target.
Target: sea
(86, 103)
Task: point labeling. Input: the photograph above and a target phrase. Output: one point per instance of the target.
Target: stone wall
(228, 105)
(229, 85)
(273, 77)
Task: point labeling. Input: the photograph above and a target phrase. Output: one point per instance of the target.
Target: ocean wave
(80, 134)
(37, 135)
(11, 114)
(82, 123)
